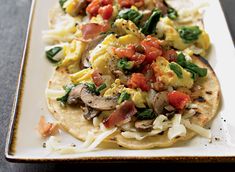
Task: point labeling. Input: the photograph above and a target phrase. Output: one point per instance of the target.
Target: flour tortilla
(72, 120)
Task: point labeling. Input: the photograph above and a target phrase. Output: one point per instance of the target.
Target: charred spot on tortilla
(201, 99)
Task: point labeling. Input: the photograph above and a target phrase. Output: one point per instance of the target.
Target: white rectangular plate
(24, 144)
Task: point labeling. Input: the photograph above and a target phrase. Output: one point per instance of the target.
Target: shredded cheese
(53, 94)
(198, 129)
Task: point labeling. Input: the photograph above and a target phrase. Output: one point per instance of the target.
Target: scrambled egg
(137, 96)
(73, 52)
(167, 27)
(99, 57)
(128, 27)
(128, 39)
(82, 76)
(168, 77)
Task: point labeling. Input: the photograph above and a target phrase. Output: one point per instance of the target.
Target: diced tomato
(106, 2)
(106, 11)
(91, 30)
(125, 111)
(93, 7)
(178, 99)
(170, 55)
(152, 48)
(137, 58)
(138, 80)
(102, 7)
(97, 78)
(129, 3)
(125, 52)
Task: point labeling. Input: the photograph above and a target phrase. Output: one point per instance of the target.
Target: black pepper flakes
(44, 145)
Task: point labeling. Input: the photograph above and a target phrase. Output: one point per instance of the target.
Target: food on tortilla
(130, 72)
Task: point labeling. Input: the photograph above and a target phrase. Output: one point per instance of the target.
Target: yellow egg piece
(129, 39)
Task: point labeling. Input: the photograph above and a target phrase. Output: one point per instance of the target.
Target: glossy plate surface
(24, 144)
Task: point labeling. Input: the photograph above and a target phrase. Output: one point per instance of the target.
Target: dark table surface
(13, 23)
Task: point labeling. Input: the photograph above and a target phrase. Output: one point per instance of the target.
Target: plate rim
(13, 123)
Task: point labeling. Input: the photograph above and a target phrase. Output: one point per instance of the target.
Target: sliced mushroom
(98, 102)
(75, 95)
(160, 101)
(144, 125)
(90, 113)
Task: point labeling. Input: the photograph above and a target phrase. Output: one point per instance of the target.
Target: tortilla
(71, 118)
(206, 110)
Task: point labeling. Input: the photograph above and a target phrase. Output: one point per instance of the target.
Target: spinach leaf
(67, 89)
(50, 54)
(100, 88)
(191, 67)
(124, 96)
(181, 60)
(176, 69)
(150, 25)
(172, 13)
(92, 88)
(124, 64)
(189, 33)
(130, 14)
(146, 114)
(62, 3)
(201, 72)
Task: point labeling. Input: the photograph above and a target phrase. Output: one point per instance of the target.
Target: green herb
(146, 114)
(67, 89)
(50, 54)
(92, 88)
(100, 88)
(172, 13)
(124, 64)
(124, 96)
(192, 68)
(62, 3)
(130, 14)
(176, 68)
(181, 60)
(150, 25)
(201, 72)
(189, 33)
